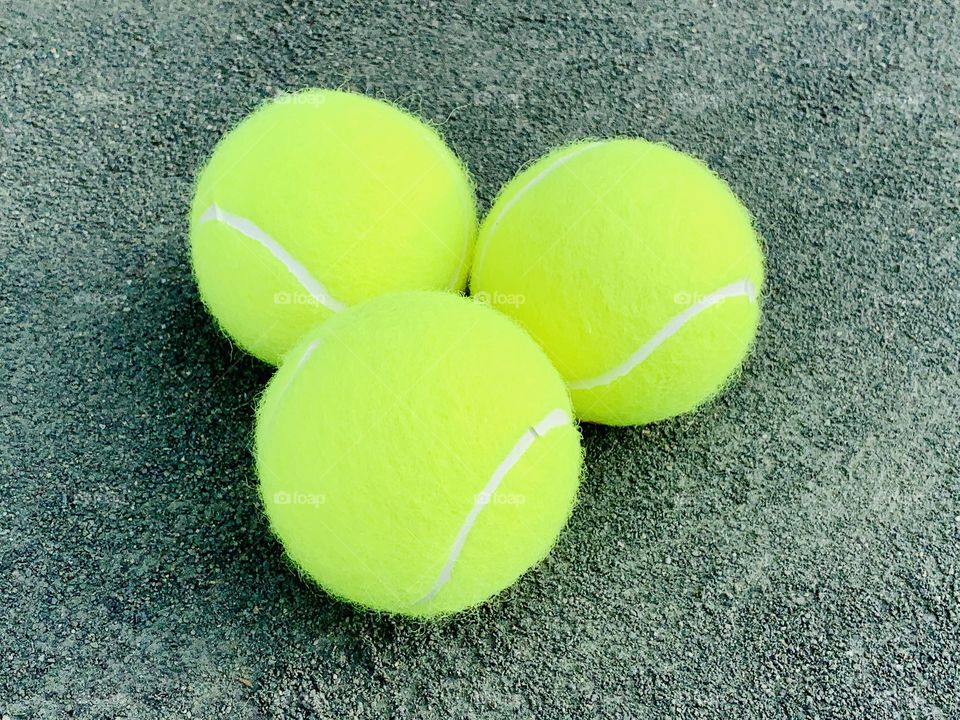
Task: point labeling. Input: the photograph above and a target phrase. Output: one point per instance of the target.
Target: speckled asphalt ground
(790, 551)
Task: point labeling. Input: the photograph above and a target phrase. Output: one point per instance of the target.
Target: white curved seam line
(306, 356)
(540, 177)
(553, 419)
(248, 228)
(300, 363)
(299, 366)
(742, 287)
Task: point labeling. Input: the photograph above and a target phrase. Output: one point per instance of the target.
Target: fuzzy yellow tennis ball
(417, 453)
(319, 200)
(634, 266)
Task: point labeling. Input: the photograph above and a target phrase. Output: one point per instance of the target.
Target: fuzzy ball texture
(319, 200)
(417, 453)
(634, 266)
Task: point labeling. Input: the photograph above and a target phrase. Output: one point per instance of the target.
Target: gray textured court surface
(791, 551)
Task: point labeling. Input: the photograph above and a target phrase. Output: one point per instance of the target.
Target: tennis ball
(636, 269)
(319, 200)
(417, 453)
